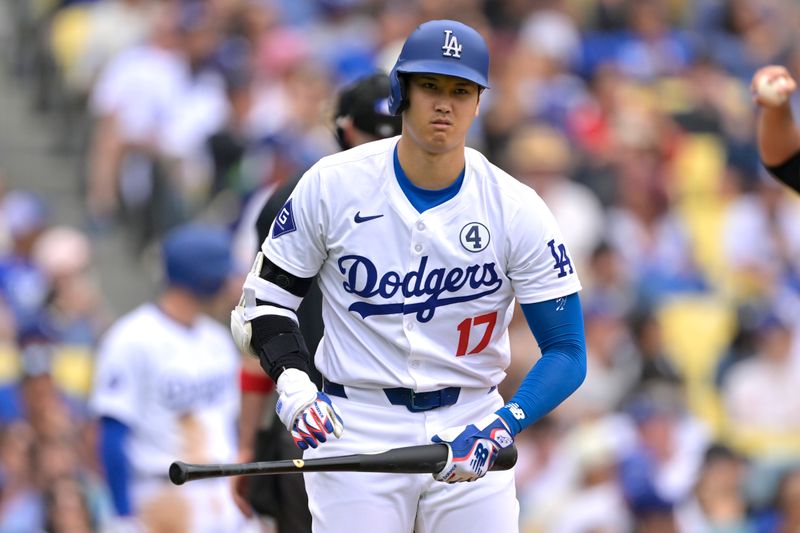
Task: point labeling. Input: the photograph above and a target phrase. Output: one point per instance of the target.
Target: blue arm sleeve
(113, 436)
(558, 327)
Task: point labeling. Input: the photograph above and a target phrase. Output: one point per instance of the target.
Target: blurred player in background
(361, 116)
(421, 246)
(166, 389)
(777, 133)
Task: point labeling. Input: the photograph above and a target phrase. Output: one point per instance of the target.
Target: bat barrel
(180, 472)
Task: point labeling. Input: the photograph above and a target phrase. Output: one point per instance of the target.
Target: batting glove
(472, 449)
(307, 413)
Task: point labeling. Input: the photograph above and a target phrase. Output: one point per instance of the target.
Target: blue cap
(24, 212)
(443, 47)
(198, 258)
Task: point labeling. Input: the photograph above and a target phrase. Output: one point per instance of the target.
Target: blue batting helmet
(198, 258)
(440, 47)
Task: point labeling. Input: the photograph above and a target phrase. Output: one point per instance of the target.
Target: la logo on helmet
(451, 47)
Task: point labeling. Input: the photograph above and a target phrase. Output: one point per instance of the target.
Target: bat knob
(178, 473)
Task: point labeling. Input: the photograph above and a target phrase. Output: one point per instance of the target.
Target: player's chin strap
(268, 331)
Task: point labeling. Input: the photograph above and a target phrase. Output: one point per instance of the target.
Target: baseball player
(362, 115)
(166, 388)
(777, 133)
(420, 246)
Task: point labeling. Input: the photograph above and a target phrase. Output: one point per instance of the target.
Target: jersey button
(410, 326)
(414, 364)
(421, 226)
(418, 248)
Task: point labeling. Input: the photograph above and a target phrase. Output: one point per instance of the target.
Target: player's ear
(478, 106)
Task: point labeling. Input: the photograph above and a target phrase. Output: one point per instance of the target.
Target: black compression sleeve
(788, 172)
(279, 345)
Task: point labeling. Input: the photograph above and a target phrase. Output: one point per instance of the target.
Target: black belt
(415, 402)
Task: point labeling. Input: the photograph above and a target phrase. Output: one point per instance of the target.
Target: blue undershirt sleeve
(113, 437)
(558, 327)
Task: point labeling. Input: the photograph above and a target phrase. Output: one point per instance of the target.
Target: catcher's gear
(307, 413)
(472, 449)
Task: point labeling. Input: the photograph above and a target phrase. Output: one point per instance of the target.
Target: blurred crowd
(633, 119)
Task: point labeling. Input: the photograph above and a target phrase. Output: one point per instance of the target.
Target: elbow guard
(279, 345)
(264, 323)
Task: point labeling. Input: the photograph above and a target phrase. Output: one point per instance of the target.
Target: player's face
(440, 112)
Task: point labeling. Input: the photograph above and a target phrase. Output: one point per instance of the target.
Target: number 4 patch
(561, 258)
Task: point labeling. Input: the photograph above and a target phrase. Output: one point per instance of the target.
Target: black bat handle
(506, 459)
(424, 459)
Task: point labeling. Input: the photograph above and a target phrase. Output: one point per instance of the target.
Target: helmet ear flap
(397, 94)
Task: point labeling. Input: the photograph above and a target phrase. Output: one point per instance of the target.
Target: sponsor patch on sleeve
(284, 222)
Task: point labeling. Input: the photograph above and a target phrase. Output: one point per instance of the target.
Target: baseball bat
(424, 459)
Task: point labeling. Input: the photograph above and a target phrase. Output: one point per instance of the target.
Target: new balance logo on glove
(472, 449)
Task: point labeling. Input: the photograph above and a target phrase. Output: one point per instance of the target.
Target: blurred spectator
(35, 397)
(538, 155)
(612, 366)
(660, 470)
(645, 230)
(742, 35)
(23, 288)
(111, 27)
(784, 516)
(155, 107)
(592, 500)
(545, 87)
(67, 510)
(760, 392)
(74, 495)
(647, 47)
(608, 280)
(657, 368)
(762, 240)
(75, 312)
(718, 500)
(228, 145)
(21, 506)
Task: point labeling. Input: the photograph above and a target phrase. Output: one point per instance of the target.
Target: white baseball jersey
(418, 300)
(175, 387)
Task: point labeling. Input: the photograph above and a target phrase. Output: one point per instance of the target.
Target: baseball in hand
(772, 90)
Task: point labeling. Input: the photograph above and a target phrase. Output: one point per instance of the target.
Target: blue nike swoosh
(359, 219)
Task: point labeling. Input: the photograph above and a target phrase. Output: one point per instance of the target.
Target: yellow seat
(696, 330)
(761, 443)
(68, 34)
(698, 168)
(72, 369)
(9, 363)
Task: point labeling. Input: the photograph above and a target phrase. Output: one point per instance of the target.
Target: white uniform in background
(176, 388)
